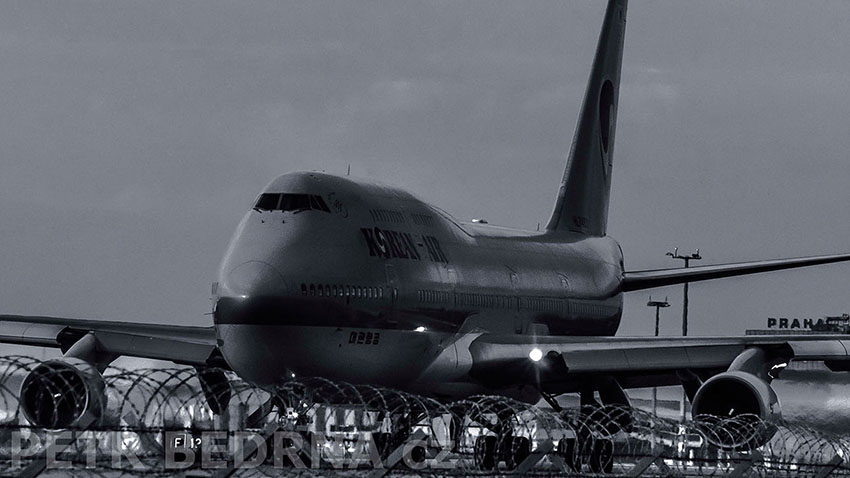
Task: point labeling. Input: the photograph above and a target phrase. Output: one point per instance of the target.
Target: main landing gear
(501, 434)
(589, 438)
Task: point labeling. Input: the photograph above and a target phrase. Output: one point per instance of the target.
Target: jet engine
(63, 393)
(735, 409)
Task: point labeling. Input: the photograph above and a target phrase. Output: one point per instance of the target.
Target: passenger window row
(540, 303)
(290, 202)
(586, 309)
(506, 302)
(386, 215)
(434, 296)
(356, 291)
(422, 219)
(445, 297)
(485, 300)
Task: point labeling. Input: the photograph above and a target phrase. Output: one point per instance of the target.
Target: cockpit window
(295, 202)
(290, 202)
(318, 203)
(267, 202)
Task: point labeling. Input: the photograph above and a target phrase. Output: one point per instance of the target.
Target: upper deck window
(290, 202)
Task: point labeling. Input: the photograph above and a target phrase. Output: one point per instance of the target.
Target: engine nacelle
(63, 393)
(736, 409)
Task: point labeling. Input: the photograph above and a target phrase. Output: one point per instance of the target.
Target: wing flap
(640, 280)
(500, 359)
(643, 357)
(161, 348)
(820, 350)
(23, 333)
(179, 344)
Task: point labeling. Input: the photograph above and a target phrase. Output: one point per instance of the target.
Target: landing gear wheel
(484, 454)
(602, 456)
(518, 449)
(567, 450)
(382, 444)
(417, 455)
(387, 442)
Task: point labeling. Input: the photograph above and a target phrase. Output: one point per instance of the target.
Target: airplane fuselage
(347, 279)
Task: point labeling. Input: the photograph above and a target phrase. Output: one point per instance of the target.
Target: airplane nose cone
(253, 278)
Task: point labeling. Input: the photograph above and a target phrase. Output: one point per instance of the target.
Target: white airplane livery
(353, 280)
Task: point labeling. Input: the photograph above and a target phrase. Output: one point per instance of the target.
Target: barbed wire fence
(182, 421)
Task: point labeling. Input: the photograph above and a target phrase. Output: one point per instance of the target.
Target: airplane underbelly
(270, 354)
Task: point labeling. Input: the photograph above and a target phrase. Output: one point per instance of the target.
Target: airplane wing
(565, 362)
(180, 344)
(640, 280)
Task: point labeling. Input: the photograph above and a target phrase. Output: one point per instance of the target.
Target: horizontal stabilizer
(640, 280)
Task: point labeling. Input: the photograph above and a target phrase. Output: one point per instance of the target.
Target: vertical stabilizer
(582, 204)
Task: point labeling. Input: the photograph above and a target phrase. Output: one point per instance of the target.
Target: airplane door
(451, 276)
(517, 320)
(391, 291)
(565, 284)
(392, 284)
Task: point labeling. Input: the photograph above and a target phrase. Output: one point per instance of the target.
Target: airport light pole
(658, 304)
(695, 256)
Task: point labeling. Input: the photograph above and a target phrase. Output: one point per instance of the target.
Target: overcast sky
(134, 135)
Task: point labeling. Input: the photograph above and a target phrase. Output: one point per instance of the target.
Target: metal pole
(687, 260)
(657, 310)
(655, 389)
(685, 309)
(658, 305)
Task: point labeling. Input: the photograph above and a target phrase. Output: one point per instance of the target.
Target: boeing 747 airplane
(353, 280)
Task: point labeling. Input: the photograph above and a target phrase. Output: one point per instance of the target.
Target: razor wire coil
(338, 422)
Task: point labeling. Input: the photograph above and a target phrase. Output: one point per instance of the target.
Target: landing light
(535, 355)
(420, 329)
